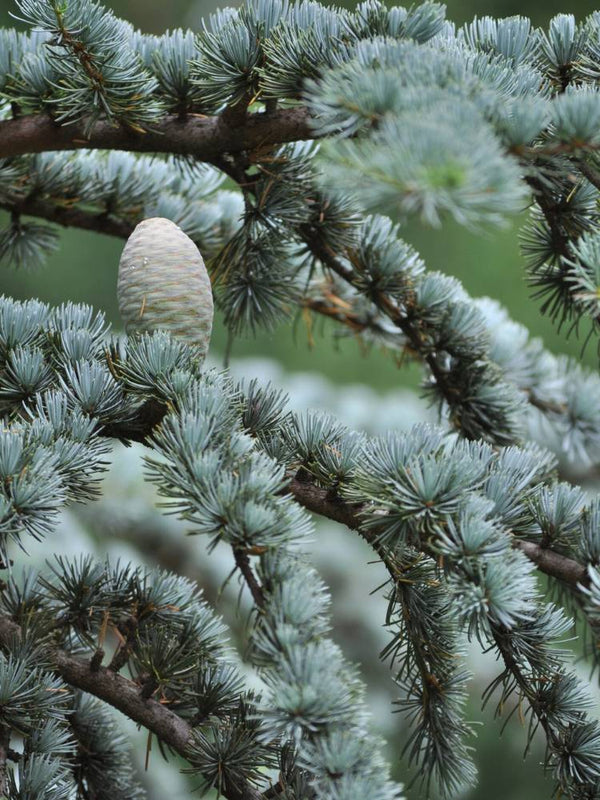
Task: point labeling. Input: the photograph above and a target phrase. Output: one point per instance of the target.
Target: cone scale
(163, 284)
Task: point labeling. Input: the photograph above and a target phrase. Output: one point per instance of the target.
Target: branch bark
(242, 562)
(4, 751)
(124, 695)
(71, 216)
(204, 138)
(320, 501)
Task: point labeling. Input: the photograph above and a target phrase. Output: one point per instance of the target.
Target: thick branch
(552, 563)
(590, 173)
(322, 502)
(125, 696)
(116, 690)
(204, 138)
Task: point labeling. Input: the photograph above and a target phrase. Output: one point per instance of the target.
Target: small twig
(122, 653)
(228, 349)
(388, 306)
(347, 317)
(274, 791)
(139, 427)
(521, 682)
(552, 213)
(243, 564)
(96, 660)
(551, 150)
(4, 756)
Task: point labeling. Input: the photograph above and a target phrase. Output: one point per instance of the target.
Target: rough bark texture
(204, 138)
(126, 696)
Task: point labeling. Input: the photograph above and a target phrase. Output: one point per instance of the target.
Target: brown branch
(590, 173)
(70, 216)
(322, 502)
(537, 152)
(204, 138)
(242, 562)
(552, 563)
(139, 427)
(124, 695)
(116, 690)
(4, 755)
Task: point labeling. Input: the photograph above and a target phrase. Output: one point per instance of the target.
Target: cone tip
(159, 220)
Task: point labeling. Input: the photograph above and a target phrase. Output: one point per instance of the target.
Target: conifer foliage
(275, 137)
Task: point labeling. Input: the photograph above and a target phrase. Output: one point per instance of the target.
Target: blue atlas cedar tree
(102, 126)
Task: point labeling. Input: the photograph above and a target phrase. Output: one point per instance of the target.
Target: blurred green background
(488, 262)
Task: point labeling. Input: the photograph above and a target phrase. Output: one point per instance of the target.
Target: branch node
(96, 660)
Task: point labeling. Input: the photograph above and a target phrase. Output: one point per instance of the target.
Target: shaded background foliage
(488, 263)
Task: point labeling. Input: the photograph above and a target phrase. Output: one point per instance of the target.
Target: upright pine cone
(163, 284)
